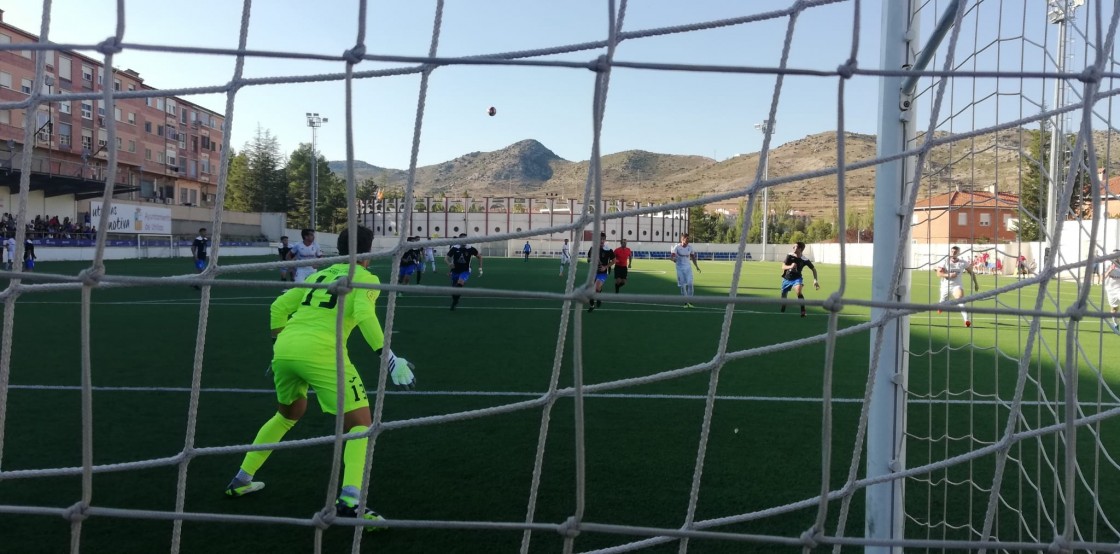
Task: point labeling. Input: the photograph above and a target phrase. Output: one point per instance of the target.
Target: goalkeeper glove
(400, 370)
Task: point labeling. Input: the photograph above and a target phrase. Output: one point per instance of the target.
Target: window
(132, 146)
(159, 104)
(172, 133)
(87, 110)
(1007, 223)
(205, 143)
(183, 197)
(171, 106)
(102, 139)
(87, 73)
(25, 53)
(120, 143)
(5, 117)
(985, 220)
(147, 126)
(183, 117)
(148, 154)
(65, 70)
(48, 56)
(160, 157)
(117, 114)
(131, 87)
(5, 80)
(5, 39)
(64, 105)
(25, 86)
(159, 130)
(116, 84)
(64, 131)
(132, 118)
(171, 158)
(87, 140)
(962, 218)
(101, 108)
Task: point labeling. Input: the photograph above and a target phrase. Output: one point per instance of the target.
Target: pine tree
(255, 182)
(331, 191)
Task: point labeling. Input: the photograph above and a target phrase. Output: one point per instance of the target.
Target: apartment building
(967, 216)
(168, 148)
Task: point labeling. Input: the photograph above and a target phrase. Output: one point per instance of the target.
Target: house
(1110, 195)
(966, 216)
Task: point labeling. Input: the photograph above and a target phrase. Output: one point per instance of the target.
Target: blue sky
(661, 111)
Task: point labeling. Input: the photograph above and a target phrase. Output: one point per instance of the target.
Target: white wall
(83, 253)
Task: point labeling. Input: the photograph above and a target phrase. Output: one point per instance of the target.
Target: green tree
(1033, 188)
(256, 182)
(236, 199)
(331, 196)
(1031, 196)
(702, 226)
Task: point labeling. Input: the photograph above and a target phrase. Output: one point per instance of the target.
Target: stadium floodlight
(1059, 12)
(767, 128)
(314, 121)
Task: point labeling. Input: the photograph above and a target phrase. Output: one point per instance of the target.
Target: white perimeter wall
(38, 204)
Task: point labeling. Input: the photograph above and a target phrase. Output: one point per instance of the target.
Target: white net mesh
(989, 419)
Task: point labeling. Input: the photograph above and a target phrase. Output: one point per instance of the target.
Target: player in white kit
(306, 250)
(565, 256)
(1112, 290)
(681, 254)
(952, 288)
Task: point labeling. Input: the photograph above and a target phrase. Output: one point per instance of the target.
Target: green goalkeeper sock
(272, 431)
(354, 459)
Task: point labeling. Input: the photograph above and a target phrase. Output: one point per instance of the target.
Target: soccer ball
(492, 111)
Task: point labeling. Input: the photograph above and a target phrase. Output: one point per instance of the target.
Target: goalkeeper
(304, 356)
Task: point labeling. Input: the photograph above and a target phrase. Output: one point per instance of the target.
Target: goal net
(896, 418)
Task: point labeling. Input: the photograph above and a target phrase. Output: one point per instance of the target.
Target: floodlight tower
(767, 128)
(314, 121)
(1059, 12)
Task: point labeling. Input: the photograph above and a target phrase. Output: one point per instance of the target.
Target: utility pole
(767, 128)
(1059, 13)
(314, 121)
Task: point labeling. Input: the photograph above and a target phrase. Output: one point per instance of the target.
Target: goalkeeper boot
(237, 488)
(348, 507)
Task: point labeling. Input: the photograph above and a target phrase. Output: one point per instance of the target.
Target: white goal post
(156, 246)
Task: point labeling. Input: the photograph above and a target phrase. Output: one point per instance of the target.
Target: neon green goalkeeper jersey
(309, 334)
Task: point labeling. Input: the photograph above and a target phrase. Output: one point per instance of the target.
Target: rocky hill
(529, 168)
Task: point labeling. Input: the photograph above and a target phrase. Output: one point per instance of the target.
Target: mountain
(529, 168)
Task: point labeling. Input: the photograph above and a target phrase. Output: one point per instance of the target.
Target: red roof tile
(972, 199)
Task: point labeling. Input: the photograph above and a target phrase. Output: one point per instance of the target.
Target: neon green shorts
(293, 377)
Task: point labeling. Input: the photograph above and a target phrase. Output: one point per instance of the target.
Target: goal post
(156, 246)
(886, 415)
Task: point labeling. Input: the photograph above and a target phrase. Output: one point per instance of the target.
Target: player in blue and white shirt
(794, 264)
(602, 263)
(411, 263)
(682, 254)
(198, 251)
(306, 250)
(950, 272)
(459, 259)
